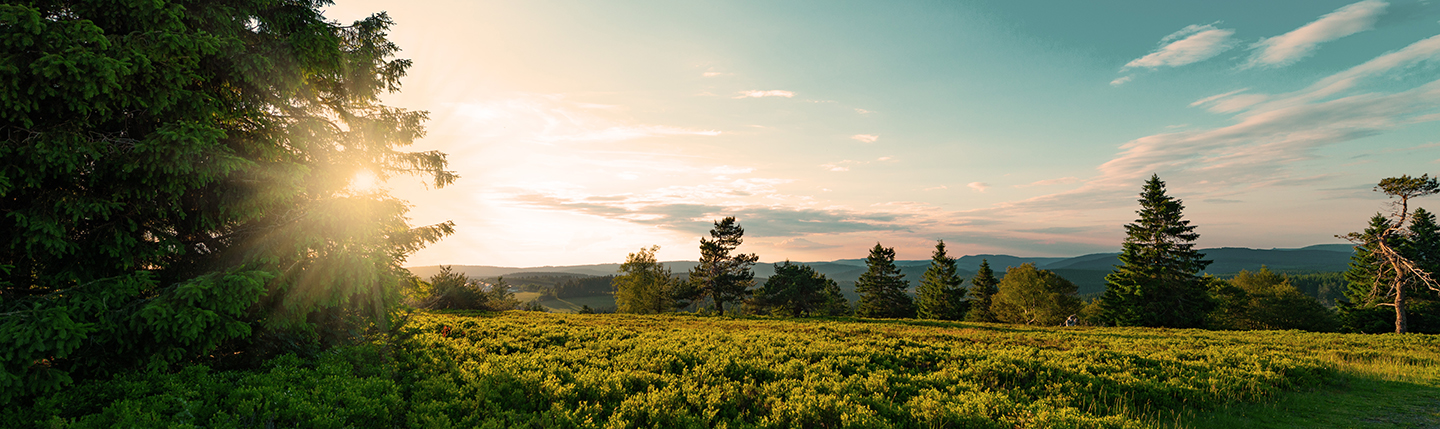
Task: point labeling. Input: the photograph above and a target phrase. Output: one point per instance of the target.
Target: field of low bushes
(527, 369)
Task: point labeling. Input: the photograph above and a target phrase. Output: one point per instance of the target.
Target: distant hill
(1087, 271)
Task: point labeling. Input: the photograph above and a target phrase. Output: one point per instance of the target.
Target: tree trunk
(1400, 323)
(720, 306)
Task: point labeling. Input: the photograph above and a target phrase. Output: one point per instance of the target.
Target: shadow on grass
(1350, 401)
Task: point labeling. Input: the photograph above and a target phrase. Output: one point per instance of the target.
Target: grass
(527, 369)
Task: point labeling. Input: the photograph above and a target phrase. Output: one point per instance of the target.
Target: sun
(364, 181)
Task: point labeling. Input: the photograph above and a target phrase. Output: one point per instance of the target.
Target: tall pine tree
(940, 294)
(1360, 311)
(982, 291)
(721, 276)
(1158, 283)
(882, 287)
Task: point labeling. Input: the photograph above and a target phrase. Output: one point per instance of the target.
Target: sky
(584, 131)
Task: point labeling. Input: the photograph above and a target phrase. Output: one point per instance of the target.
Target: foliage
(1362, 309)
(882, 287)
(983, 288)
(646, 286)
(1035, 297)
(584, 286)
(1158, 283)
(452, 290)
(721, 276)
(798, 290)
(941, 294)
(520, 369)
(1266, 300)
(174, 179)
(1327, 287)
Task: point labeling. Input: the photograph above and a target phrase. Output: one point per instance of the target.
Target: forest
(183, 247)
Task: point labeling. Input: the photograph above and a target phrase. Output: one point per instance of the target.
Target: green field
(531, 369)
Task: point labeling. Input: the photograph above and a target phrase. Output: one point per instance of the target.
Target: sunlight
(364, 182)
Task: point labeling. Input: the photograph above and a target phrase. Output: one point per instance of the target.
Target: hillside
(1086, 271)
(526, 369)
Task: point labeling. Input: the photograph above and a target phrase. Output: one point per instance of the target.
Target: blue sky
(584, 131)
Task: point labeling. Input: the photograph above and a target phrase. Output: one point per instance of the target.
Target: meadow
(528, 369)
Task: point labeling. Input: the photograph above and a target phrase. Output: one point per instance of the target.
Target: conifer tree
(796, 290)
(1158, 283)
(882, 287)
(1399, 272)
(983, 288)
(1359, 310)
(723, 277)
(940, 294)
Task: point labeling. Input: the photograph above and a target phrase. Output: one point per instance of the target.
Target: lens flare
(364, 182)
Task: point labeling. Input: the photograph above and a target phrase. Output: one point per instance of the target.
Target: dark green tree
(1033, 296)
(645, 286)
(834, 303)
(721, 276)
(797, 290)
(982, 292)
(1159, 282)
(941, 294)
(1396, 272)
(1360, 311)
(882, 287)
(175, 179)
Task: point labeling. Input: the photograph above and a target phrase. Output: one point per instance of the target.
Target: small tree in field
(721, 276)
(882, 287)
(1395, 272)
(1035, 297)
(797, 290)
(1159, 283)
(940, 294)
(644, 285)
(982, 291)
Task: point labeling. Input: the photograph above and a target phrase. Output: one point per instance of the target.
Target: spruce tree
(721, 276)
(983, 288)
(1360, 311)
(940, 294)
(1159, 282)
(882, 287)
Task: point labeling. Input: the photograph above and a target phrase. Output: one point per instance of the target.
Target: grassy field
(527, 369)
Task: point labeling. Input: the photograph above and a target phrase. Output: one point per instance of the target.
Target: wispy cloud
(1191, 44)
(1048, 182)
(803, 244)
(1122, 80)
(762, 94)
(1288, 48)
(863, 111)
(715, 73)
(865, 138)
(978, 186)
(695, 218)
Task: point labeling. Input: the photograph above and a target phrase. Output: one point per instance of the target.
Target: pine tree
(1360, 311)
(940, 294)
(795, 290)
(723, 277)
(1158, 283)
(882, 287)
(982, 290)
(1399, 272)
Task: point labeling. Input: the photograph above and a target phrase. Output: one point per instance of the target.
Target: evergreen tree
(940, 294)
(1158, 283)
(1394, 266)
(1360, 311)
(796, 290)
(644, 285)
(982, 290)
(721, 276)
(1035, 297)
(882, 287)
(175, 179)
(834, 302)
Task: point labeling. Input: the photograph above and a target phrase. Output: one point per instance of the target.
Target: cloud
(1122, 80)
(865, 138)
(1192, 44)
(803, 244)
(761, 94)
(978, 186)
(715, 73)
(863, 111)
(1048, 182)
(696, 218)
(1286, 49)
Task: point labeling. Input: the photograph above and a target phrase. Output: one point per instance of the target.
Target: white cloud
(715, 73)
(866, 138)
(761, 94)
(836, 166)
(863, 111)
(1048, 182)
(1288, 48)
(1192, 44)
(1121, 80)
(978, 186)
